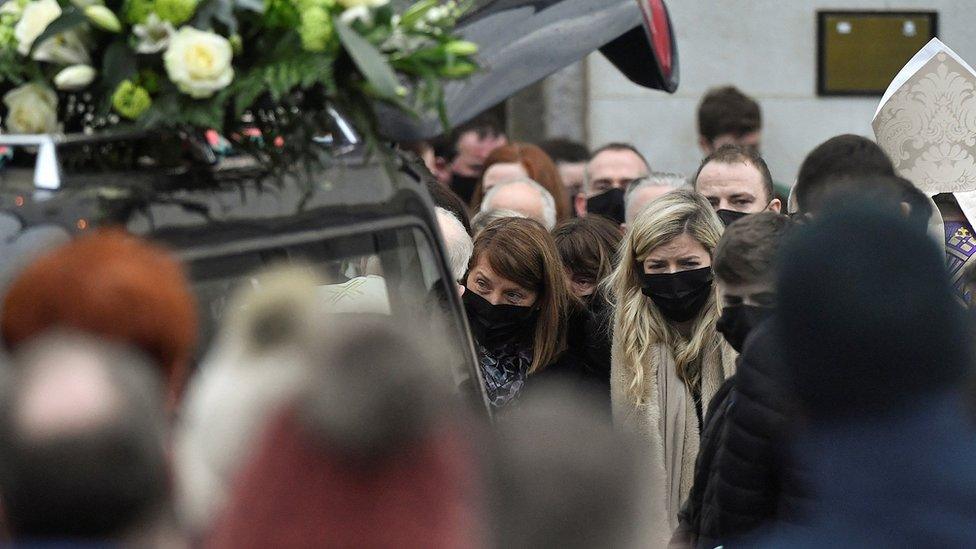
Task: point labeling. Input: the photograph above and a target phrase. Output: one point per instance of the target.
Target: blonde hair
(638, 323)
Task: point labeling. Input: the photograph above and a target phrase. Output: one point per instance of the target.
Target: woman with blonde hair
(667, 359)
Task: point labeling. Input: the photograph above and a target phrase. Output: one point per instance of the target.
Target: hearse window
(387, 272)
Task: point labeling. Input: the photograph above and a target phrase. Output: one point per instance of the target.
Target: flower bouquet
(265, 74)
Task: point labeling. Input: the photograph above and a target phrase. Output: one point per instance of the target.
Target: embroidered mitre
(926, 121)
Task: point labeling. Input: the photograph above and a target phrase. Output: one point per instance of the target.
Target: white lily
(75, 77)
(67, 48)
(154, 35)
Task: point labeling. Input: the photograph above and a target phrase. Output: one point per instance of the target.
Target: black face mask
(737, 321)
(498, 323)
(463, 186)
(729, 216)
(680, 296)
(609, 204)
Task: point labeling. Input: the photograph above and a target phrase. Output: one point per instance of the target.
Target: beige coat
(667, 422)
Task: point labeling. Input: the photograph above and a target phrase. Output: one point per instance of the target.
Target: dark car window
(386, 272)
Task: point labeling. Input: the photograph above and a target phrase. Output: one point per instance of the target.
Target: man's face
(751, 140)
(472, 150)
(614, 170)
(737, 187)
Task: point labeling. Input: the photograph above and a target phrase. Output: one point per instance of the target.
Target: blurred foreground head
(82, 435)
(868, 318)
(562, 477)
(258, 363)
(112, 285)
(369, 453)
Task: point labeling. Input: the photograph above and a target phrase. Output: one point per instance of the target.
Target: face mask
(729, 216)
(497, 322)
(679, 296)
(738, 321)
(463, 186)
(609, 204)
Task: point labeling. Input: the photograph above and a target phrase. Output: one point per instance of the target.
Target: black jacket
(740, 482)
(712, 437)
(585, 364)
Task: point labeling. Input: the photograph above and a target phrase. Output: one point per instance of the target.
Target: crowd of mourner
(703, 359)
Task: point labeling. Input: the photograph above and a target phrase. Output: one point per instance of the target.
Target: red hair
(539, 167)
(113, 285)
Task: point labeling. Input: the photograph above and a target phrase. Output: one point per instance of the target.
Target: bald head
(525, 197)
(645, 190)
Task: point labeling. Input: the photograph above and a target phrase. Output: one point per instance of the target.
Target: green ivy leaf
(118, 64)
(370, 61)
(69, 19)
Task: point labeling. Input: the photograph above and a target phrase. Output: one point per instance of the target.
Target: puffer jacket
(713, 436)
(743, 484)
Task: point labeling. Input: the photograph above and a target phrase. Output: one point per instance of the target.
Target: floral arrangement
(230, 65)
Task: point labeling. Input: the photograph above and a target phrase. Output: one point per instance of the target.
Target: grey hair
(655, 179)
(483, 219)
(548, 202)
(457, 242)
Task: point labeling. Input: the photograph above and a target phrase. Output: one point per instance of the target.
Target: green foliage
(175, 11)
(280, 14)
(371, 63)
(173, 110)
(280, 74)
(12, 68)
(137, 11)
(315, 30)
(131, 100)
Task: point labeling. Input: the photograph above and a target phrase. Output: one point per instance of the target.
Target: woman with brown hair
(588, 249)
(517, 304)
(517, 161)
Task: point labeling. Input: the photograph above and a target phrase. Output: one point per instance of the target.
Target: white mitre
(926, 122)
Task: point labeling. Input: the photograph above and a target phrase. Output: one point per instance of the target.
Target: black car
(225, 219)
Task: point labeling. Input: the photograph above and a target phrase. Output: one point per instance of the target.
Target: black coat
(741, 483)
(585, 364)
(712, 437)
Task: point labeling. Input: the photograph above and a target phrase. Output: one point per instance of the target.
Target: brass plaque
(860, 52)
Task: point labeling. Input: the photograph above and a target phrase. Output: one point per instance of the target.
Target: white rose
(74, 77)
(31, 108)
(366, 3)
(36, 17)
(199, 62)
(67, 48)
